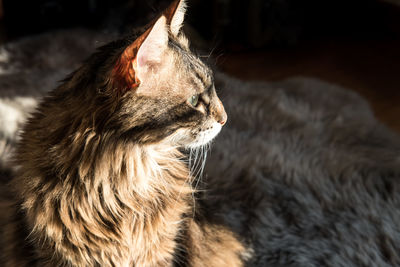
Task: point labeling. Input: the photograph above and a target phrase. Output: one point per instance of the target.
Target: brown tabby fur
(101, 180)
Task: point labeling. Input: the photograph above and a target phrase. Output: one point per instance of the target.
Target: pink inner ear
(149, 56)
(151, 50)
(147, 50)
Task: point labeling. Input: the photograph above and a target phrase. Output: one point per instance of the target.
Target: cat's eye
(194, 100)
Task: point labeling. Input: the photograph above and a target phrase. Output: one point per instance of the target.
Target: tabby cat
(101, 177)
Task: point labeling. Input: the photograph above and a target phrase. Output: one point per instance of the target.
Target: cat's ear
(152, 48)
(142, 56)
(175, 15)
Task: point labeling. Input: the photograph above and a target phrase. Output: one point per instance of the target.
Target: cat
(302, 173)
(101, 179)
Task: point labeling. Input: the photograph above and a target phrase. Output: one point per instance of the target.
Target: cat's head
(166, 92)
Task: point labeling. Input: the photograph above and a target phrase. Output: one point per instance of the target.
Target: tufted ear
(175, 15)
(152, 48)
(146, 52)
(142, 55)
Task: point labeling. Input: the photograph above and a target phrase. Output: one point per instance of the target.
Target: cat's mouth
(205, 136)
(189, 138)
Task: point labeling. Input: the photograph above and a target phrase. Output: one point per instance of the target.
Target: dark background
(355, 44)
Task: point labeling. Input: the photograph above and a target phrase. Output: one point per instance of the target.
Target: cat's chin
(205, 137)
(185, 138)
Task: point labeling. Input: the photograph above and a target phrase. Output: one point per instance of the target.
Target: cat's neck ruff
(133, 196)
(156, 168)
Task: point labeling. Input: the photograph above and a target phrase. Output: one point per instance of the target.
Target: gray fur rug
(302, 172)
(307, 176)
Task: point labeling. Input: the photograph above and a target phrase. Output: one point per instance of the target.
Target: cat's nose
(223, 118)
(220, 114)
